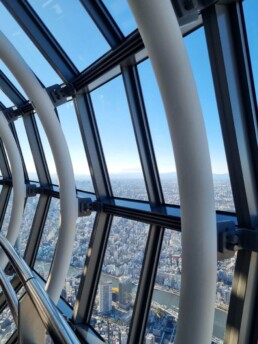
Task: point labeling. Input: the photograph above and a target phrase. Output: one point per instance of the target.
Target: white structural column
(19, 188)
(68, 202)
(163, 40)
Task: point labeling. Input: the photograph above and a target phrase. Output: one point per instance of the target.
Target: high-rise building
(125, 291)
(105, 297)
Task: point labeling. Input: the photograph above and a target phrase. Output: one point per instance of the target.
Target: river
(169, 299)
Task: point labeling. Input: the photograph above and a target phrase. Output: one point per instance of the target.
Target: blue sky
(113, 117)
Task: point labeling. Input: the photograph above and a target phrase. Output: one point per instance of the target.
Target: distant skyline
(110, 104)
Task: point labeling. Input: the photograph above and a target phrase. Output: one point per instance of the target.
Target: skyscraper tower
(105, 297)
(125, 291)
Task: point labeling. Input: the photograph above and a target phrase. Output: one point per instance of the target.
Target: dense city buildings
(122, 267)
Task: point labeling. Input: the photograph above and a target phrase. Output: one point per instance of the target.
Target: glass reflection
(119, 279)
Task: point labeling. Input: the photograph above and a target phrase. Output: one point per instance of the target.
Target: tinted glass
(74, 30)
(26, 48)
(119, 279)
(119, 144)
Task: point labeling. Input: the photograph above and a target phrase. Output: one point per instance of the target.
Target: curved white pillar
(68, 202)
(163, 40)
(19, 188)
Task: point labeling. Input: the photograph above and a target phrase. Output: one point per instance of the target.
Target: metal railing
(36, 300)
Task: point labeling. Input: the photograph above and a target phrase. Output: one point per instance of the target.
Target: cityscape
(122, 265)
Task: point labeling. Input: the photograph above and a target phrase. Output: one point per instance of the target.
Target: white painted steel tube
(163, 40)
(68, 202)
(19, 188)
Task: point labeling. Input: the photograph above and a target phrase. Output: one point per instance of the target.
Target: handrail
(19, 188)
(68, 201)
(53, 321)
(10, 295)
(162, 38)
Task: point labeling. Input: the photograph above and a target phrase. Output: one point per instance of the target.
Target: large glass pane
(161, 325)
(198, 54)
(122, 14)
(47, 150)
(48, 240)
(160, 133)
(119, 279)
(118, 140)
(26, 151)
(47, 247)
(26, 48)
(197, 51)
(84, 226)
(74, 29)
(250, 11)
(72, 134)
(28, 216)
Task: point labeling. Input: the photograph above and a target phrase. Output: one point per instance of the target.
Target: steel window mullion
(92, 145)
(10, 90)
(37, 229)
(104, 22)
(36, 149)
(4, 199)
(146, 285)
(231, 74)
(13, 129)
(142, 134)
(92, 269)
(153, 185)
(4, 164)
(42, 38)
